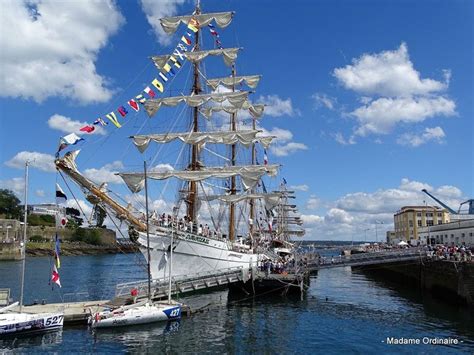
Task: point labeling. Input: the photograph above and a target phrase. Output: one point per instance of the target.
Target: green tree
(9, 204)
(99, 215)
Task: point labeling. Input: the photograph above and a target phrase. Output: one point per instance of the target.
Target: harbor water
(341, 311)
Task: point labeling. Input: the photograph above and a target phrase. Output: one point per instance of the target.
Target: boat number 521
(53, 320)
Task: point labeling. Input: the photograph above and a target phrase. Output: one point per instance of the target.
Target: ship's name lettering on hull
(196, 238)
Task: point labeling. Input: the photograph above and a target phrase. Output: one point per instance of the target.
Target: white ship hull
(192, 254)
(140, 314)
(25, 323)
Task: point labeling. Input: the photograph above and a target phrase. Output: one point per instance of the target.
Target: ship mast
(192, 194)
(252, 202)
(232, 179)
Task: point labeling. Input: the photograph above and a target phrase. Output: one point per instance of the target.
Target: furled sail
(250, 175)
(228, 54)
(229, 81)
(255, 110)
(244, 137)
(236, 99)
(222, 19)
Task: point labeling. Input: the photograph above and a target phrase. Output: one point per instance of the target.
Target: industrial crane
(470, 202)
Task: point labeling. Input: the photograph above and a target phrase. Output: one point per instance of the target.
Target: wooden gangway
(372, 258)
(183, 284)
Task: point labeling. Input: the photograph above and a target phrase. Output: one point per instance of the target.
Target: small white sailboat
(144, 312)
(19, 323)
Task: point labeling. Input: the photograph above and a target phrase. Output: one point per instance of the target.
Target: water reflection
(40, 342)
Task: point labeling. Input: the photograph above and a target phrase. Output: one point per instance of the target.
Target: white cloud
(339, 216)
(161, 168)
(393, 93)
(282, 144)
(435, 134)
(323, 100)
(40, 193)
(313, 203)
(41, 161)
(81, 206)
(310, 220)
(68, 125)
(382, 115)
(389, 73)
(302, 187)
(154, 12)
(105, 173)
(339, 138)
(411, 185)
(352, 214)
(49, 48)
(17, 185)
(281, 135)
(287, 149)
(276, 107)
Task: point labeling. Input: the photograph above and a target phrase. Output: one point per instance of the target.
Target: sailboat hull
(144, 314)
(192, 254)
(12, 324)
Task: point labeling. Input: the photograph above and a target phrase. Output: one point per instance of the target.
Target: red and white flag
(88, 129)
(150, 92)
(55, 276)
(133, 104)
(265, 158)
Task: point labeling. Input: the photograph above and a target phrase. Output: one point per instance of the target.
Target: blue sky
(370, 100)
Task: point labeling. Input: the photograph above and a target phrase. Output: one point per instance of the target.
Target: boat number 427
(54, 320)
(174, 313)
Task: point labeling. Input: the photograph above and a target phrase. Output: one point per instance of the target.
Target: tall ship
(223, 214)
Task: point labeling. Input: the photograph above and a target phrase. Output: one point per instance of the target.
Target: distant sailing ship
(249, 221)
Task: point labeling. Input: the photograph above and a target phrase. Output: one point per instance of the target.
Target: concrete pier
(451, 280)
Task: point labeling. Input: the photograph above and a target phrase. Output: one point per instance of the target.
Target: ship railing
(159, 285)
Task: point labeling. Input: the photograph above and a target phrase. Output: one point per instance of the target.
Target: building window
(429, 222)
(429, 214)
(418, 214)
(410, 223)
(440, 221)
(419, 223)
(440, 214)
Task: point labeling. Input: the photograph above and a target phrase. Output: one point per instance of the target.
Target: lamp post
(365, 238)
(376, 232)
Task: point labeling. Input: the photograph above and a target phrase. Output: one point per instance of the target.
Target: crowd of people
(453, 252)
(280, 266)
(187, 225)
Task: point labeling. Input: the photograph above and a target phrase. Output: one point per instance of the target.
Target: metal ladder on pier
(183, 284)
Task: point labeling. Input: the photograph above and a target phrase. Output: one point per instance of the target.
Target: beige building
(391, 236)
(410, 219)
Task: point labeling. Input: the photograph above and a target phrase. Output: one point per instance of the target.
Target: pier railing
(372, 258)
(183, 283)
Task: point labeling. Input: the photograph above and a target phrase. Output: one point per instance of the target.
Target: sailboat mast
(23, 247)
(252, 202)
(147, 230)
(232, 159)
(192, 195)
